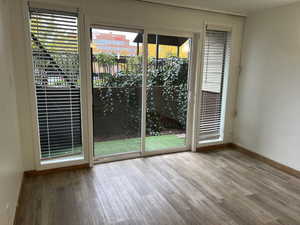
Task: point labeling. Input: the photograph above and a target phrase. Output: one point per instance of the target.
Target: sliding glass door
(125, 82)
(167, 92)
(117, 88)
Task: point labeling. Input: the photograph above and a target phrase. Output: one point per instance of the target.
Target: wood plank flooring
(216, 188)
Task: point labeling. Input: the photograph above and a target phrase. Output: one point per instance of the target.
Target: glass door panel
(117, 71)
(167, 92)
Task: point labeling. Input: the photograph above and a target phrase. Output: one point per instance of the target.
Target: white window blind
(56, 74)
(216, 55)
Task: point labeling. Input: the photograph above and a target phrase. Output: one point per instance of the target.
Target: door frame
(116, 156)
(192, 74)
(188, 132)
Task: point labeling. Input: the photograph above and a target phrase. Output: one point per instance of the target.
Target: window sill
(62, 159)
(62, 162)
(210, 142)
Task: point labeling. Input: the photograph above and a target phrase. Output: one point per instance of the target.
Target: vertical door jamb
(198, 47)
(191, 91)
(144, 92)
(83, 85)
(89, 95)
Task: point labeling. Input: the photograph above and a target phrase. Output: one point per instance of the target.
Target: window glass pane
(56, 74)
(117, 64)
(216, 55)
(167, 92)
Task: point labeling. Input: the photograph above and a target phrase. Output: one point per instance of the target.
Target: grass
(127, 145)
(133, 144)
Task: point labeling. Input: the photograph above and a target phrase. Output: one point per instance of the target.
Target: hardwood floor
(217, 188)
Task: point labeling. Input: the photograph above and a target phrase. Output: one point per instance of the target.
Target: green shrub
(169, 75)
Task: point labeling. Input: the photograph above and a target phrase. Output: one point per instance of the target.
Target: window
(56, 74)
(216, 57)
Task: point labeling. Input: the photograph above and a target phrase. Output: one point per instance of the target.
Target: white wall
(123, 13)
(268, 119)
(11, 168)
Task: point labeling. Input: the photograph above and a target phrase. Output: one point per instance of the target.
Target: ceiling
(240, 7)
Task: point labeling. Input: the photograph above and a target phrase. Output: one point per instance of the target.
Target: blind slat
(56, 74)
(216, 52)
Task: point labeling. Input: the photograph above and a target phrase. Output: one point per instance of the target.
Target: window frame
(189, 131)
(42, 164)
(228, 69)
(84, 23)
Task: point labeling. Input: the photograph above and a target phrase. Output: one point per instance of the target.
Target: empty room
(149, 112)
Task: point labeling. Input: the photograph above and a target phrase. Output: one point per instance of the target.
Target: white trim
(193, 88)
(219, 27)
(62, 159)
(39, 163)
(170, 32)
(165, 151)
(117, 157)
(89, 93)
(32, 91)
(224, 116)
(63, 162)
(198, 85)
(185, 6)
(83, 85)
(53, 6)
(115, 28)
(144, 92)
(232, 73)
(101, 24)
(227, 70)
(99, 157)
(210, 142)
(190, 99)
